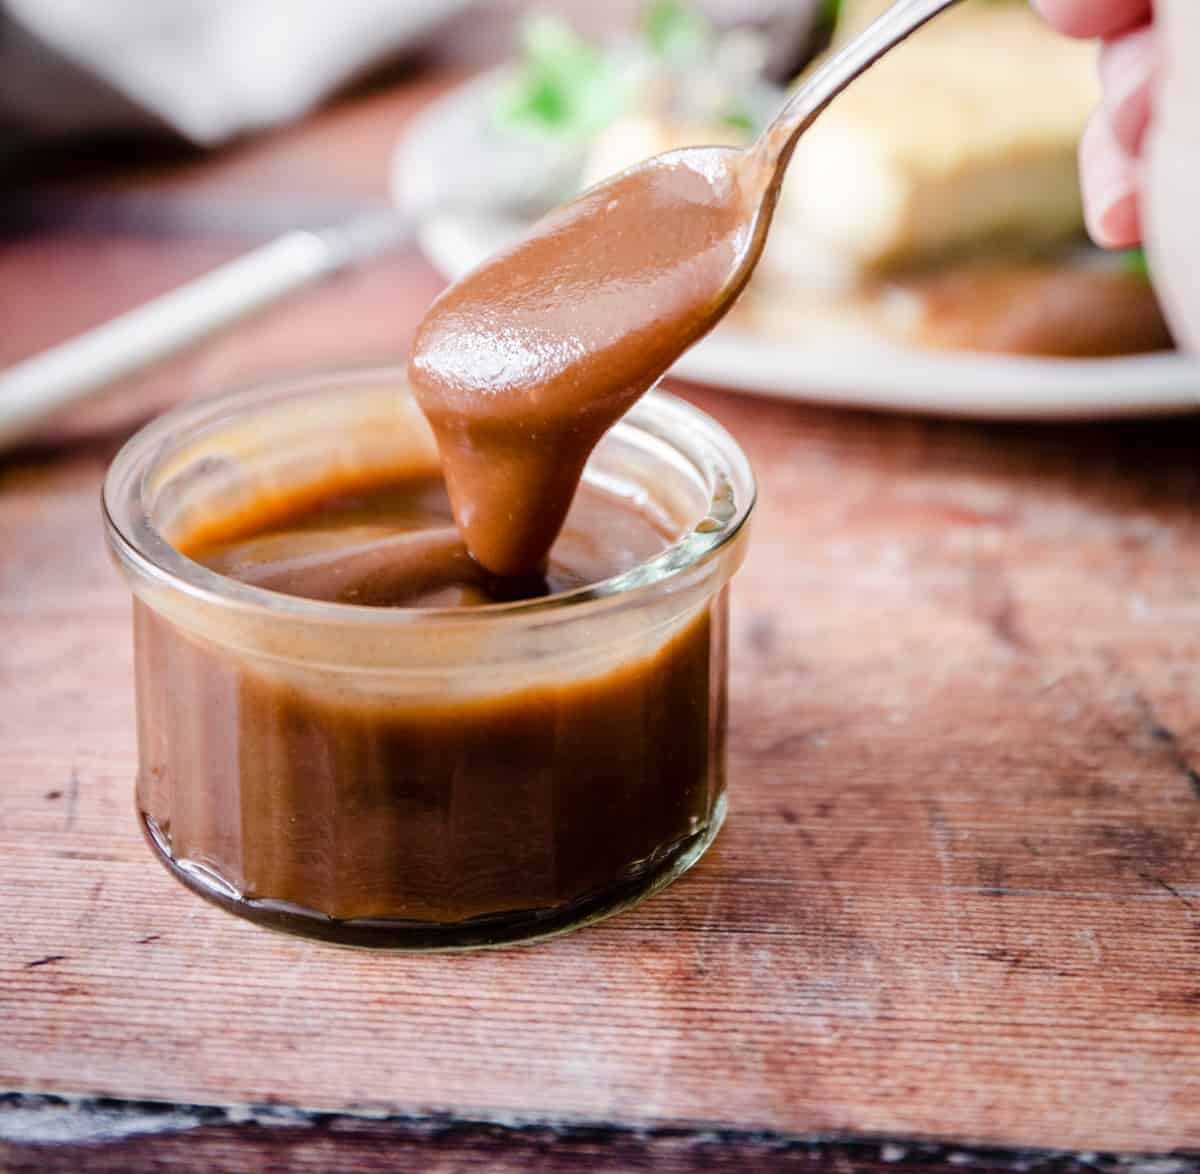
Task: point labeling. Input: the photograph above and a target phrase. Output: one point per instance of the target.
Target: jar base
(493, 930)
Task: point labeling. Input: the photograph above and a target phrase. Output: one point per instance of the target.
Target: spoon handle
(776, 143)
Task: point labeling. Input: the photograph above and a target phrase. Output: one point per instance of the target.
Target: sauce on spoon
(524, 364)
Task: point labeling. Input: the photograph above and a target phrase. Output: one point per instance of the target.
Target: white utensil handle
(72, 371)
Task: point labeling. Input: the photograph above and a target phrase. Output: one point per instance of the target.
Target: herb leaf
(1134, 263)
(676, 32)
(739, 117)
(564, 85)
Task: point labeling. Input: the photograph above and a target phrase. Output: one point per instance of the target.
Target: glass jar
(423, 778)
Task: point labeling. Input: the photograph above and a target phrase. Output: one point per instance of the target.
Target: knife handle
(75, 369)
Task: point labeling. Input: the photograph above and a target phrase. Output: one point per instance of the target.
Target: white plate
(874, 376)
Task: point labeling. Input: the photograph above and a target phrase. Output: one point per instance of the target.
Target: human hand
(1140, 155)
(1112, 143)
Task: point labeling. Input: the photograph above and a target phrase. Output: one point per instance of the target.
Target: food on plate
(935, 203)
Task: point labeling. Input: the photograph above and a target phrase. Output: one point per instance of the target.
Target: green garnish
(570, 88)
(831, 10)
(564, 85)
(676, 32)
(740, 118)
(1134, 263)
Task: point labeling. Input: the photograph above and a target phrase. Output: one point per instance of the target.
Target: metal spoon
(524, 362)
(771, 152)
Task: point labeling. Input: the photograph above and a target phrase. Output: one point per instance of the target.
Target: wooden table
(954, 917)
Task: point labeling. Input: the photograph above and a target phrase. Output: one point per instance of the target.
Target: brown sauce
(316, 799)
(523, 364)
(349, 814)
(394, 544)
(1012, 307)
(1052, 311)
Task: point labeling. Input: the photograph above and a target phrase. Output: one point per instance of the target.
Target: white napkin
(207, 68)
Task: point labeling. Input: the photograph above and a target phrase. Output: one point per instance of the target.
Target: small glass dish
(423, 778)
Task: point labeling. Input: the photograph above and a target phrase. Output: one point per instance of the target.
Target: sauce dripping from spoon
(523, 364)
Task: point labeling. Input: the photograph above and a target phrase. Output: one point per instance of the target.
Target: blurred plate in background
(868, 374)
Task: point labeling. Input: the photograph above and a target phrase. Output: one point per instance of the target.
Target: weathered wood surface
(120, 1138)
(958, 896)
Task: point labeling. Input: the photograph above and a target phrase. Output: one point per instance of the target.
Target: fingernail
(1109, 187)
(1127, 67)
(1114, 222)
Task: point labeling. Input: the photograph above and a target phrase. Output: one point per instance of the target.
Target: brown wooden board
(958, 894)
(110, 1137)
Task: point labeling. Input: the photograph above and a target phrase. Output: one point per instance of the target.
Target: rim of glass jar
(686, 429)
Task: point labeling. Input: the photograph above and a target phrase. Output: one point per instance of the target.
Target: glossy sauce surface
(520, 798)
(394, 544)
(313, 797)
(524, 363)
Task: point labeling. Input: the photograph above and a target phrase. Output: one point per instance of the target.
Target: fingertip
(1094, 18)
(1116, 225)
(1110, 189)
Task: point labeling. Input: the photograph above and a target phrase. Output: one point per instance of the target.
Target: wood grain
(958, 895)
